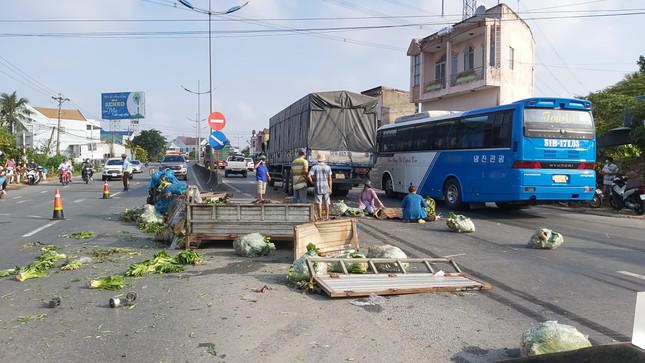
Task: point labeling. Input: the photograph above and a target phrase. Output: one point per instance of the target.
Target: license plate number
(340, 176)
(560, 178)
(642, 196)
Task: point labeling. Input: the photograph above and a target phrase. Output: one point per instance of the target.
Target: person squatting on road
(299, 170)
(414, 206)
(368, 200)
(320, 177)
(127, 169)
(262, 176)
(608, 172)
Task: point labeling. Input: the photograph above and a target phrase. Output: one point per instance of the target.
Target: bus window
(558, 123)
(474, 131)
(502, 130)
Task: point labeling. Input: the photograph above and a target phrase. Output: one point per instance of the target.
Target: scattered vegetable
(357, 268)
(33, 244)
(9, 271)
(551, 337)
(163, 263)
(27, 318)
(79, 235)
(72, 265)
(34, 270)
(132, 214)
(431, 206)
(150, 227)
(189, 257)
(299, 272)
(387, 251)
(459, 223)
(253, 245)
(115, 282)
(545, 238)
(103, 254)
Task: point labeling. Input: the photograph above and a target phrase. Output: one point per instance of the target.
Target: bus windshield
(561, 124)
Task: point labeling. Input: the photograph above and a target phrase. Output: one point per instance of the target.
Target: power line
(569, 5)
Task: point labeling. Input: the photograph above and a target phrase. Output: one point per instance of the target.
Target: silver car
(137, 167)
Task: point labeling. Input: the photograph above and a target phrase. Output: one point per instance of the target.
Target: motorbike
(621, 197)
(34, 175)
(3, 185)
(87, 174)
(596, 200)
(65, 177)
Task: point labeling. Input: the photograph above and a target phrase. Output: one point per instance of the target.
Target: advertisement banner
(123, 105)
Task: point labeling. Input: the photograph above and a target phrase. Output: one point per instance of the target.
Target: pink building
(485, 60)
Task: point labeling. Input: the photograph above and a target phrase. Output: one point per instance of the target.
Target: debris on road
(460, 223)
(371, 300)
(253, 245)
(545, 238)
(9, 272)
(330, 237)
(115, 282)
(388, 213)
(163, 263)
(299, 272)
(128, 301)
(33, 244)
(103, 254)
(262, 289)
(387, 251)
(79, 235)
(41, 265)
(357, 268)
(340, 208)
(27, 318)
(72, 265)
(54, 302)
(552, 337)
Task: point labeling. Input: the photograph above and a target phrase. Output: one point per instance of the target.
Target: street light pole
(198, 93)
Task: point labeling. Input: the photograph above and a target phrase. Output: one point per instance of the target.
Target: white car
(235, 165)
(250, 165)
(137, 167)
(113, 169)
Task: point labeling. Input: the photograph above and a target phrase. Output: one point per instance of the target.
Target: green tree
(641, 64)
(13, 112)
(140, 154)
(7, 146)
(246, 151)
(152, 141)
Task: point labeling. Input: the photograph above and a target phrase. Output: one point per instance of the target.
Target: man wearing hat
(299, 170)
(262, 176)
(320, 177)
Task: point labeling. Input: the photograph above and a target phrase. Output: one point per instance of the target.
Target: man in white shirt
(608, 172)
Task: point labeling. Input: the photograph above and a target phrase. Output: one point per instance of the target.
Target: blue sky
(256, 76)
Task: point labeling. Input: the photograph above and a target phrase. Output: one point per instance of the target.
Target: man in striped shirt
(299, 170)
(320, 175)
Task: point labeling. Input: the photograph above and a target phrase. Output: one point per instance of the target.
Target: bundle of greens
(189, 257)
(299, 272)
(459, 223)
(103, 254)
(338, 208)
(153, 227)
(71, 265)
(79, 235)
(9, 272)
(115, 282)
(356, 268)
(41, 265)
(163, 263)
(551, 337)
(545, 238)
(132, 214)
(253, 245)
(431, 206)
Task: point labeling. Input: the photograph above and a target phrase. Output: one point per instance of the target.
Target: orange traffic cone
(58, 206)
(106, 190)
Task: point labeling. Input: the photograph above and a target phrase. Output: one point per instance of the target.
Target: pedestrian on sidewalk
(414, 206)
(299, 170)
(368, 200)
(125, 165)
(262, 176)
(320, 177)
(608, 172)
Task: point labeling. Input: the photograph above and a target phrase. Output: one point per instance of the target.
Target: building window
(492, 45)
(88, 127)
(440, 70)
(469, 58)
(417, 70)
(511, 57)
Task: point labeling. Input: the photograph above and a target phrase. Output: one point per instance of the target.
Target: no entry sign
(216, 121)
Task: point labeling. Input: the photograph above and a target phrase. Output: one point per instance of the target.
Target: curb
(594, 212)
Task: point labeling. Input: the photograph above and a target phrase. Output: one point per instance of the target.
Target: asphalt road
(590, 282)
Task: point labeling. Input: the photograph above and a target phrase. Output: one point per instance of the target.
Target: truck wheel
(452, 195)
(388, 186)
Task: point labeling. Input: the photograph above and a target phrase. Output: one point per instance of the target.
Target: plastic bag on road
(460, 223)
(387, 251)
(253, 245)
(357, 268)
(551, 337)
(545, 238)
(372, 300)
(299, 272)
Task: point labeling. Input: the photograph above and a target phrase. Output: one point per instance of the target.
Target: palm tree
(13, 112)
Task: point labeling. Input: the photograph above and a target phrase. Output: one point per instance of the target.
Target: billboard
(123, 105)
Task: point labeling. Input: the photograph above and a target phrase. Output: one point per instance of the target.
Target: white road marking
(34, 217)
(43, 191)
(66, 186)
(78, 200)
(237, 189)
(21, 201)
(17, 197)
(4, 214)
(627, 273)
(39, 229)
(115, 194)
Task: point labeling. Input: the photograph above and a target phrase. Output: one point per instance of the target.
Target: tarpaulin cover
(337, 121)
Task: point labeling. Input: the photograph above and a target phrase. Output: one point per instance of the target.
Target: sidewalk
(602, 211)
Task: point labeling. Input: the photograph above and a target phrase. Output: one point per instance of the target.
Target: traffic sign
(217, 140)
(216, 121)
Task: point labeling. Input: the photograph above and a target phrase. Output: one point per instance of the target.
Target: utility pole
(60, 99)
(198, 93)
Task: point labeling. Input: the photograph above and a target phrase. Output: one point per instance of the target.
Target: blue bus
(533, 150)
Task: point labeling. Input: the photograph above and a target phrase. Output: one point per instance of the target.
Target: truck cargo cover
(339, 120)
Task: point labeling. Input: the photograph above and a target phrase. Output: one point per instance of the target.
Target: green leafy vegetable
(151, 227)
(189, 257)
(9, 271)
(103, 254)
(72, 265)
(115, 282)
(79, 235)
(34, 270)
(27, 318)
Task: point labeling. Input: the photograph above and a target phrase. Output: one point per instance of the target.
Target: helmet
(123, 156)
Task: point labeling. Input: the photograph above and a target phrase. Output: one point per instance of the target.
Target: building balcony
(461, 82)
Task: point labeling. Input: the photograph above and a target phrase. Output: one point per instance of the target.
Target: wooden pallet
(330, 237)
(406, 280)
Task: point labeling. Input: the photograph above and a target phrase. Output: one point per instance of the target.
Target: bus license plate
(560, 178)
(340, 176)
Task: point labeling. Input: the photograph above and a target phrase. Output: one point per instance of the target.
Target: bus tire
(388, 186)
(452, 195)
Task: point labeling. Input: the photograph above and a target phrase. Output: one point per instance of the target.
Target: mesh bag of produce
(545, 238)
(386, 251)
(460, 223)
(551, 337)
(298, 272)
(356, 268)
(339, 208)
(253, 245)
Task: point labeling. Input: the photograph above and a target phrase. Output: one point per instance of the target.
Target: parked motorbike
(596, 200)
(65, 177)
(621, 197)
(87, 174)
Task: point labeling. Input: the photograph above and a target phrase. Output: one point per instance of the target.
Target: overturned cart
(206, 222)
(389, 276)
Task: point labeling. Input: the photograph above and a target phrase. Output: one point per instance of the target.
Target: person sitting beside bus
(414, 206)
(368, 200)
